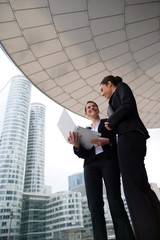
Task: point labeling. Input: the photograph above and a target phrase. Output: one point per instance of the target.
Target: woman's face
(91, 110)
(106, 90)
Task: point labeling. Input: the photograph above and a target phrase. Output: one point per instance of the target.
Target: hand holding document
(66, 125)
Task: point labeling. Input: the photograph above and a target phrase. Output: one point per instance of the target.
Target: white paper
(66, 125)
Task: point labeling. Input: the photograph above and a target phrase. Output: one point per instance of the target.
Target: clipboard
(66, 125)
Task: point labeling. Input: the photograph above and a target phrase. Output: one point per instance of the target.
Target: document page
(66, 124)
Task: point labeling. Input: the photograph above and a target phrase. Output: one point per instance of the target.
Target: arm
(101, 141)
(126, 107)
(80, 151)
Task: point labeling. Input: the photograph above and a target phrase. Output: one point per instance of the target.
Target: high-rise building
(13, 149)
(33, 221)
(64, 216)
(75, 180)
(34, 174)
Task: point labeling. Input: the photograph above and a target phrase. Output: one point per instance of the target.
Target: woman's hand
(101, 141)
(74, 139)
(107, 125)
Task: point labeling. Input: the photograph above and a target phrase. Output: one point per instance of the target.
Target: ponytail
(112, 79)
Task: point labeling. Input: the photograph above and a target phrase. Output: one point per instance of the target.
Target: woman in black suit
(143, 204)
(100, 162)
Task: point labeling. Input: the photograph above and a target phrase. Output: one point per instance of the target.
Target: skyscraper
(75, 180)
(34, 174)
(13, 149)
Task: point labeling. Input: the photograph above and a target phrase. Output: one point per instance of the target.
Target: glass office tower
(34, 175)
(75, 180)
(13, 149)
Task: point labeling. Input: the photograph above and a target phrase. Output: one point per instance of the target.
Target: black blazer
(109, 151)
(125, 117)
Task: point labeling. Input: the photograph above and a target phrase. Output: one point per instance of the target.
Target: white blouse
(98, 149)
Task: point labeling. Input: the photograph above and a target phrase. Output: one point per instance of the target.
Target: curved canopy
(66, 47)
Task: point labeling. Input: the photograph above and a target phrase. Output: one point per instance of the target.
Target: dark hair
(90, 102)
(112, 79)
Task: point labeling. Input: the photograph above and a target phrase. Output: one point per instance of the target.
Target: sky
(60, 161)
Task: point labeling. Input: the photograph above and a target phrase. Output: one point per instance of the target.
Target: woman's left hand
(101, 141)
(107, 125)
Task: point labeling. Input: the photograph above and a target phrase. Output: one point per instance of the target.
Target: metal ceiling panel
(71, 21)
(40, 34)
(80, 49)
(86, 60)
(46, 47)
(69, 103)
(141, 12)
(45, 86)
(110, 39)
(139, 1)
(6, 13)
(62, 98)
(71, 87)
(128, 78)
(144, 41)
(83, 91)
(149, 62)
(94, 80)
(77, 107)
(54, 92)
(39, 77)
(140, 28)
(63, 6)
(53, 59)
(123, 70)
(106, 25)
(76, 36)
(138, 82)
(114, 51)
(23, 57)
(19, 4)
(153, 92)
(153, 70)
(9, 30)
(67, 78)
(27, 19)
(157, 77)
(31, 68)
(148, 107)
(147, 85)
(146, 52)
(14, 45)
(60, 70)
(103, 8)
(92, 70)
(119, 61)
(92, 95)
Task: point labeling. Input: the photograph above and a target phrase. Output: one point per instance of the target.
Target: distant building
(64, 216)
(47, 189)
(75, 180)
(33, 221)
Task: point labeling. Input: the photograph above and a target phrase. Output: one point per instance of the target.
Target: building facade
(13, 149)
(33, 221)
(64, 217)
(34, 174)
(75, 180)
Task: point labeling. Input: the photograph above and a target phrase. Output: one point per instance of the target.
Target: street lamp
(10, 223)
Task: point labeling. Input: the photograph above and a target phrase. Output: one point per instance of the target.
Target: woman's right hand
(74, 139)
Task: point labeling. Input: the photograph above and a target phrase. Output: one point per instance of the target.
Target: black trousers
(108, 170)
(143, 203)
